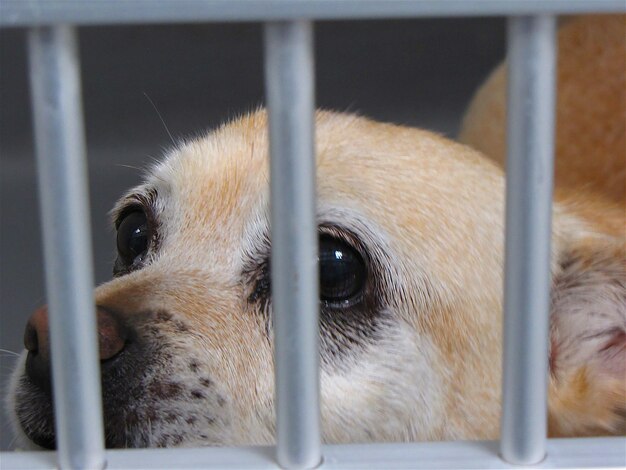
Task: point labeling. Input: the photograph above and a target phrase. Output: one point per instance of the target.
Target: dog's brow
(145, 198)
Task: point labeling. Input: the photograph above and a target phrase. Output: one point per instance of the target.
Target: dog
(411, 255)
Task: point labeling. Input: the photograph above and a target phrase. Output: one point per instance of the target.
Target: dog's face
(411, 243)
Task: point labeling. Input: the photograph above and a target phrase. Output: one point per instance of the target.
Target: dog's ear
(588, 341)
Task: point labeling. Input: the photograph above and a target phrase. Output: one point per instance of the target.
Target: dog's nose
(36, 334)
(112, 336)
(36, 341)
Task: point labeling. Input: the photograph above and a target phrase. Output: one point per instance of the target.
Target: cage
(55, 76)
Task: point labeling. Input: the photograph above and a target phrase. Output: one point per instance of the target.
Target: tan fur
(583, 395)
(430, 211)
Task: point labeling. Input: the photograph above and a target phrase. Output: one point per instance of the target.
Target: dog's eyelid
(123, 212)
(260, 272)
(347, 236)
(141, 201)
(123, 208)
(331, 229)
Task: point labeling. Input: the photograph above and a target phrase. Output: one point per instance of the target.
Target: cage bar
(289, 77)
(45, 12)
(529, 182)
(60, 149)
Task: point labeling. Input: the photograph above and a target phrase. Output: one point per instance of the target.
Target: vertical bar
(531, 79)
(60, 147)
(289, 76)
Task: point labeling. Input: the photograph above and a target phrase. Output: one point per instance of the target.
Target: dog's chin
(22, 443)
(35, 429)
(40, 442)
(131, 423)
(151, 397)
(32, 413)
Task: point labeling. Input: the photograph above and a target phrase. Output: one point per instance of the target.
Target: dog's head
(411, 252)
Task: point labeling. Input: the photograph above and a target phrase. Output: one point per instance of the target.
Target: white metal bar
(47, 12)
(529, 168)
(60, 148)
(289, 78)
(562, 453)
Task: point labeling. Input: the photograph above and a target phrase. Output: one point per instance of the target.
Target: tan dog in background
(411, 254)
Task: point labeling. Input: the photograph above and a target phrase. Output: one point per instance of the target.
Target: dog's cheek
(222, 385)
(222, 388)
(226, 364)
(389, 393)
(187, 402)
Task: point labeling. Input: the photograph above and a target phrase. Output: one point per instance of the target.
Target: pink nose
(111, 340)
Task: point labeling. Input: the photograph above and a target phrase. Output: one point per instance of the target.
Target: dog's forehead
(210, 184)
(400, 178)
(353, 153)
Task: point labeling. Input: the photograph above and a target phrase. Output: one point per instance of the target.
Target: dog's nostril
(30, 338)
(112, 334)
(36, 332)
(36, 342)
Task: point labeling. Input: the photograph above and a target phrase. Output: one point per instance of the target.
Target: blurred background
(417, 72)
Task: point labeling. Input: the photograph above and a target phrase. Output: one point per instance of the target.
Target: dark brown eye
(132, 237)
(342, 272)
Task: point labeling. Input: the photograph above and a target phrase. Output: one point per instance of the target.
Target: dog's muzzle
(113, 337)
(156, 392)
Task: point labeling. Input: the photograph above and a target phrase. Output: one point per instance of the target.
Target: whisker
(153, 159)
(12, 443)
(9, 353)
(160, 117)
(128, 166)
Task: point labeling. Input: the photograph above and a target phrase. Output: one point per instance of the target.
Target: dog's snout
(112, 336)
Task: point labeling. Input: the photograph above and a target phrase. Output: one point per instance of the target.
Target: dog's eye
(132, 237)
(342, 272)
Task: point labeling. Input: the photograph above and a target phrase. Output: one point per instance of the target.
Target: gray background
(418, 72)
